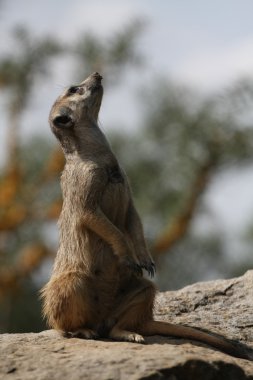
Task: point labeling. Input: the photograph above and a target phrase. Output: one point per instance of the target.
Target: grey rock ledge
(223, 306)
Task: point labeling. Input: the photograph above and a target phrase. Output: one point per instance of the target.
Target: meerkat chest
(116, 196)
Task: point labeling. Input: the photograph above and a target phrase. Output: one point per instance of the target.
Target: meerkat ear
(63, 119)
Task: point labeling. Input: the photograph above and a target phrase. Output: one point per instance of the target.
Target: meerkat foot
(84, 334)
(127, 336)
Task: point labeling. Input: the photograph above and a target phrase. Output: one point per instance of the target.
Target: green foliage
(180, 132)
(21, 311)
(28, 60)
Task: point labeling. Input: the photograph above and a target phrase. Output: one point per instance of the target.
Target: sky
(204, 44)
(201, 42)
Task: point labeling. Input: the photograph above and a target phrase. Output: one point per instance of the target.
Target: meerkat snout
(93, 81)
(97, 76)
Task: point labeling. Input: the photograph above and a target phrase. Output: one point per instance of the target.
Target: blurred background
(177, 109)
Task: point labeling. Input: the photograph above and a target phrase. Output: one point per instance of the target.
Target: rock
(222, 306)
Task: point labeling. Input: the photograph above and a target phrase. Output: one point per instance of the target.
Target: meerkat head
(76, 108)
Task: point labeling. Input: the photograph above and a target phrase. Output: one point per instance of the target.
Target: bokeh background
(177, 108)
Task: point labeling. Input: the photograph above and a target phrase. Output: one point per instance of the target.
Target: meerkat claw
(150, 268)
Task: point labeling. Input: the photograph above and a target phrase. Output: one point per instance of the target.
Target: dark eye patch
(75, 90)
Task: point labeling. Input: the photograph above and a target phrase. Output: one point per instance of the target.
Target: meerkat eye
(75, 90)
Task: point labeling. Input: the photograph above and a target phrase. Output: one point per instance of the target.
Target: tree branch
(179, 227)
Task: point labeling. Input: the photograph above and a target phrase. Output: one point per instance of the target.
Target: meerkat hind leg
(133, 310)
(123, 335)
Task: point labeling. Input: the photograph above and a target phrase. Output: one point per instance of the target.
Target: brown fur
(97, 288)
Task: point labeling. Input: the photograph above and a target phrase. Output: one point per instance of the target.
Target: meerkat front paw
(129, 263)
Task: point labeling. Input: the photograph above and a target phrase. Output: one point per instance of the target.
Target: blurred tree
(18, 72)
(28, 61)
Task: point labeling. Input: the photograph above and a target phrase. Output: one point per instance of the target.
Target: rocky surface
(223, 306)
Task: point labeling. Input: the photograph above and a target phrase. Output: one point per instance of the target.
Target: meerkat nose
(94, 79)
(97, 76)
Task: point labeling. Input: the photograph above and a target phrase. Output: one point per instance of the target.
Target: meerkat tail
(168, 329)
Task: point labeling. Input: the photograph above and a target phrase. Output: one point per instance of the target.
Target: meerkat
(97, 288)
